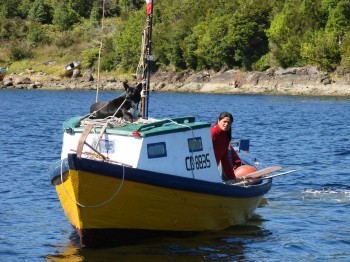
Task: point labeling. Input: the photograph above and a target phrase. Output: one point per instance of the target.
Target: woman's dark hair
(229, 115)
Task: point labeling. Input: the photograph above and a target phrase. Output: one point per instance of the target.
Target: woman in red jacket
(221, 135)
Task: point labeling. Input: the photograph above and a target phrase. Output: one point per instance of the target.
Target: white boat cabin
(181, 146)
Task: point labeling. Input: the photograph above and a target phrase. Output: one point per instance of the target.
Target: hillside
(39, 37)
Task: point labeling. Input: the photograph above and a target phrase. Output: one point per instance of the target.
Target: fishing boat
(118, 180)
(69, 68)
(3, 71)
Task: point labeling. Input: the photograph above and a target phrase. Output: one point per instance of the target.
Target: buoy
(244, 170)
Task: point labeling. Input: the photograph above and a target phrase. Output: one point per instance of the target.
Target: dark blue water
(307, 218)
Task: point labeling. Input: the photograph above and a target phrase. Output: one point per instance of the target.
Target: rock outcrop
(291, 81)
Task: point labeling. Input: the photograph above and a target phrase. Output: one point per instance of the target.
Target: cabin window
(156, 150)
(195, 144)
(105, 146)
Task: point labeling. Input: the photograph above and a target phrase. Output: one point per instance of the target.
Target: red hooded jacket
(221, 144)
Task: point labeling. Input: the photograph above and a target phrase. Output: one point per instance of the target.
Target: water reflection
(226, 245)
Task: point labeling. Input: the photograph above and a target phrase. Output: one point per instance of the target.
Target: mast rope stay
(99, 52)
(106, 125)
(141, 66)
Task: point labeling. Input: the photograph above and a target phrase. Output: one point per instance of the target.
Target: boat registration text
(201, 161)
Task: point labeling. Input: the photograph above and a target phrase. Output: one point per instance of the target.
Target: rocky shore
(291, 81)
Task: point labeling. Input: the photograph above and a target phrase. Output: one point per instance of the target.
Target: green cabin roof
(160, 127)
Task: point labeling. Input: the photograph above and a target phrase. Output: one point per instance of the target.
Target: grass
(50, 62)
(50, 59)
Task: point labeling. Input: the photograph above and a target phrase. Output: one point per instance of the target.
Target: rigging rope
(100, 51)
(141, 66)
(92, 206)
(106, 125)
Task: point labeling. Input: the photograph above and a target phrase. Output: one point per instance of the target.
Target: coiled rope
(92, 206)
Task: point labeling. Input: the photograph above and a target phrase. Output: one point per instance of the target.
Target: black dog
(128, 109)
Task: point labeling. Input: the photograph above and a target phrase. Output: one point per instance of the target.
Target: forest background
(187, 34)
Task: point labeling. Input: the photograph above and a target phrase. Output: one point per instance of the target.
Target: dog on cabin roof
(127, 104)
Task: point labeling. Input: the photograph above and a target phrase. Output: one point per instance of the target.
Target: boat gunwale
(102, 168)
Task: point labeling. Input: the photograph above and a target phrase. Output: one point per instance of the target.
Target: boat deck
(139, 128)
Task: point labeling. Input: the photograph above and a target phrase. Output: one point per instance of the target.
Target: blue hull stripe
(162, 180)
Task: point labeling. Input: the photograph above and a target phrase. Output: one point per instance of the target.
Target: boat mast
(99, 52)
(147, 60)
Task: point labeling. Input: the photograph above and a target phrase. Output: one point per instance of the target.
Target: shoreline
(303, 81)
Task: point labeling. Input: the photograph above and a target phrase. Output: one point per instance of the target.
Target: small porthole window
(156, 150)
(195, 144)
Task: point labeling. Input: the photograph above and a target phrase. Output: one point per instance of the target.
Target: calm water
(307, 218)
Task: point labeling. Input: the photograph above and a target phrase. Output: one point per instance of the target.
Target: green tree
(322, 50)
(169, 37)
(82, 7)
(64, 16)
(9, 9)
(231, 36)
(40, 12)
(212, 49)
(285, 33)
(345, 50)
(108, 55)
(328, 5)
(174, 23)
(311, 15)
(339, 19)
(249, 41)
(24, 7)
(96, 13)
(127, 41)
(193, 34)
(129, 5)
(112, 7)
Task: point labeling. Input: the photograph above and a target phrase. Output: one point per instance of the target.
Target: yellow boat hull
(104, 202)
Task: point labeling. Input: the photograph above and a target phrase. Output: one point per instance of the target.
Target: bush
(20, 51)
(65, 40)
(108, 63)
(36, 35)
(89, 57)
(262, 64)
(13, 29)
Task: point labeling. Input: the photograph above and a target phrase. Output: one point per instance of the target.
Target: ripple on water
(307, 217)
